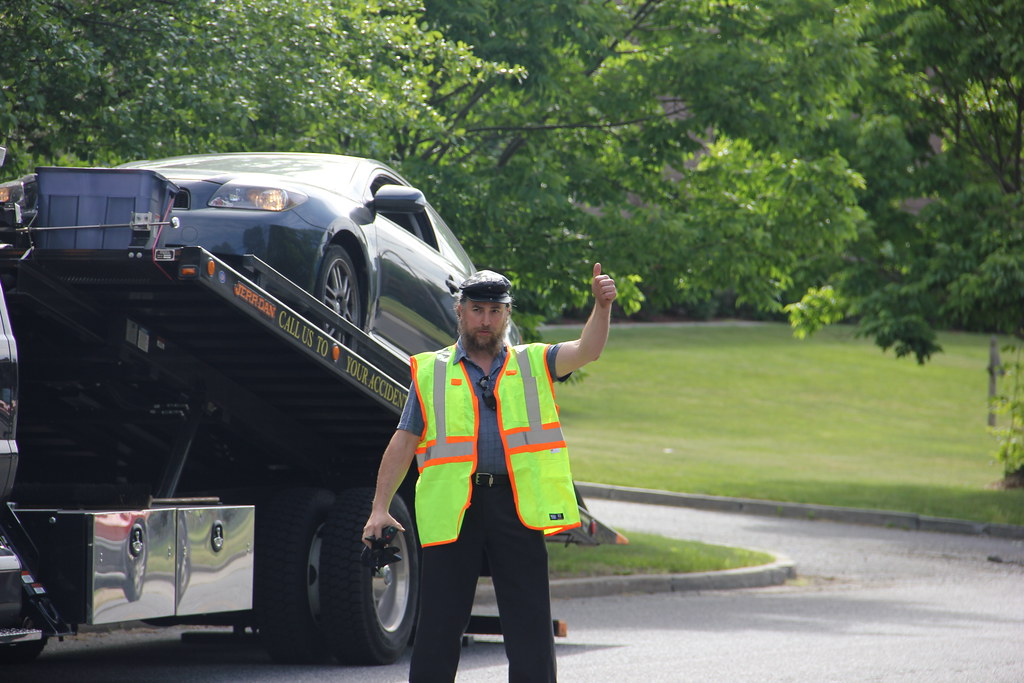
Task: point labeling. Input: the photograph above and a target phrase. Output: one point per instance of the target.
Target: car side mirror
(398, 199)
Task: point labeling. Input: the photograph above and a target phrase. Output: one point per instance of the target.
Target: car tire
(289, 532)
(368, 617)
(338, 286)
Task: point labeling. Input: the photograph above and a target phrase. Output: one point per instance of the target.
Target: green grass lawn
(648, 554)
(750, 411)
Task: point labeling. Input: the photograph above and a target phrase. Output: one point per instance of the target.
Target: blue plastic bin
(97, 196)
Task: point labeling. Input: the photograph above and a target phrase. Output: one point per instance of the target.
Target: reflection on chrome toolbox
(146, 564)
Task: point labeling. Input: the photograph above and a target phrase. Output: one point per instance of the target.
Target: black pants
(518, 559)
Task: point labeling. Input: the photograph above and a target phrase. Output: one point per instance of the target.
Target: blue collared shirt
(489, 449)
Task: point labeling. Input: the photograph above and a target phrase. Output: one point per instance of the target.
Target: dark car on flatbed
(351, 231)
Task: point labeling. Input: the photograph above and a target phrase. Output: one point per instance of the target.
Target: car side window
(416, 223)
(450, 247)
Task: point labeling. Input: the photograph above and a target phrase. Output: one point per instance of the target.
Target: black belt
(489, 480)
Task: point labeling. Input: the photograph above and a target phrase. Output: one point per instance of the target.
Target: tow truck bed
(174, 343)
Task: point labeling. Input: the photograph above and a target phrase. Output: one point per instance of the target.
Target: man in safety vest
(494, 476)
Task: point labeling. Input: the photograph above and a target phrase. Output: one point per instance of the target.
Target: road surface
(869, 604)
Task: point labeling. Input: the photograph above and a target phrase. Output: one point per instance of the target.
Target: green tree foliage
(107, 81)
(939, 137)
(677, 136)
(1009, 404)
(828, 159)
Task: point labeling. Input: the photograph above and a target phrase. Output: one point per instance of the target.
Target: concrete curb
(772, 574)
(899, 520)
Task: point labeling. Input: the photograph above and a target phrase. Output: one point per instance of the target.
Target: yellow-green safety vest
(535, 450)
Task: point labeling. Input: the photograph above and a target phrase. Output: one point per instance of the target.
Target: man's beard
(489, 344)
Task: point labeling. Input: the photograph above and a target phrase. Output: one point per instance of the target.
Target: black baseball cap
(486, 285)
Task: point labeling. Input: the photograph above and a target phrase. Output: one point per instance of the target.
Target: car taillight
(255, 197)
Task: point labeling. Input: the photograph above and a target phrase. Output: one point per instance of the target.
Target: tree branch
(513, 146)
(965, 131)
(579, 125)
(642, 13)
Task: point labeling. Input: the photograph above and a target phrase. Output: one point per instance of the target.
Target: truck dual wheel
(287, 581)
(367, 617)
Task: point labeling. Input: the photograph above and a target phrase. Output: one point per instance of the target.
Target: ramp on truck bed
(179, 342)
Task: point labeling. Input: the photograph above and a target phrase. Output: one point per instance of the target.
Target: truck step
(19, 635)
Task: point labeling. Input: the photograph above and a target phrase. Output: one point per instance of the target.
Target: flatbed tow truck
(190, 439)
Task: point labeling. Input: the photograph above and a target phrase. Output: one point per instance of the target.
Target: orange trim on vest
(558, 530)
(430, 545)
(419, 400)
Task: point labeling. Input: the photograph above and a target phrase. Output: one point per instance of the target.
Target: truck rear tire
(286, 592)
(367, 618)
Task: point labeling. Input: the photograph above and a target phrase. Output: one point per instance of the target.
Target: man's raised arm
(573, 355)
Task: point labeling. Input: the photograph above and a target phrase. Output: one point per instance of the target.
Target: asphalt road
(869, 604)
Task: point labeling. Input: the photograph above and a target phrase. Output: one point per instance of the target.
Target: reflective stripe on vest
(538, 425)
(452, 434)
(535, 452)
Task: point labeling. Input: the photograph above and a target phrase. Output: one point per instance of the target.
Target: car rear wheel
(338, 286)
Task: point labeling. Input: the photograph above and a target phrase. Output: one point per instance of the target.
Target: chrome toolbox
(117, 565)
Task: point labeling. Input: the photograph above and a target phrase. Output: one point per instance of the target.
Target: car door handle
(453, 286)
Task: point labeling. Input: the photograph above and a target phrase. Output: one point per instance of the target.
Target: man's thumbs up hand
(603, 287)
